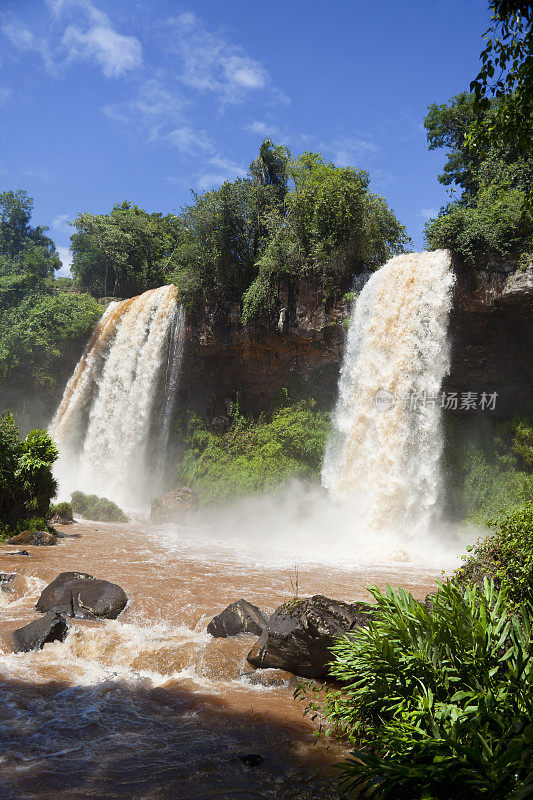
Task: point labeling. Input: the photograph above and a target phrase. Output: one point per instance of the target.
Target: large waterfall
(106, 418)
(385, 450)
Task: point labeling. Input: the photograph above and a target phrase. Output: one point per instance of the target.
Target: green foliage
(96, 508)
(495, 228)
(506, 74)
(487, 469)
(63, 510)
(439, 703)
(254, 456)
(507, 555)
(26, 481)
(491, 217)
(41, 320)
(125, 252)
(36, 333)
(329, 227)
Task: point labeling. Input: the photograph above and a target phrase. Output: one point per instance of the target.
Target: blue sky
(106, 100)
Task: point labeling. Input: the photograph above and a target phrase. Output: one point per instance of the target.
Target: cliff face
(491, 337)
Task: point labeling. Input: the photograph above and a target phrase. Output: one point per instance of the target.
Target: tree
(124, 252)
(329, 227)
(488, 217)
(506, 75)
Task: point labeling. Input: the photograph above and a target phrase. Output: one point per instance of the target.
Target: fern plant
(439, 703)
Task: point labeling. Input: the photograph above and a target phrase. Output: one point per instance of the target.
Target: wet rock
(239, 617)
(19, 553)
(80, 595)
(174, 506)
(57, 519)
(6, 579)
(50, 628)
(251, 759)
(53, 594)
(41, 538)
(300, 633)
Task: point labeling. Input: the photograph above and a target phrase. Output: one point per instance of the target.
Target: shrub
(63, 510)
(439, 703)
(26, 481)
(97, 508)
(488, 466)
(253, 455)
(507, 555)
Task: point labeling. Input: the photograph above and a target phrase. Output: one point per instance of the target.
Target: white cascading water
(103, 423)
(385, 450)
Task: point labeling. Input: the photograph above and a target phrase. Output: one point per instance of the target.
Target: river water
(149, 705)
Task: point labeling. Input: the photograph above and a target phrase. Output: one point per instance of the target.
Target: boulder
(239, 617)
(57, 519)
(19, 553)
(50, 628)
(33, 537)
(300, 633)
(80, 595)
(54, 595)
(174, 506)
(6, 579)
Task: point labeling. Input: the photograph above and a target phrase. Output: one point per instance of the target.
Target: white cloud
(92, 37)
(22, 38)
(115, 53)
(212, 63)
(428, 213)
(189, 141)
(5, 94)
(225, 170)
(263, 128)
(66, 260)
(352, 151)
(60, 225)
(154, 105)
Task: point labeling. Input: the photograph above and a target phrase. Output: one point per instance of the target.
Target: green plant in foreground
(97, 508)
(439, 703)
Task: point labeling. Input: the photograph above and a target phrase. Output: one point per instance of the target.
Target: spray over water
(103, 423)
(385, 449)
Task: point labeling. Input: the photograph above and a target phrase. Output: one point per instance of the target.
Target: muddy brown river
(150, 706)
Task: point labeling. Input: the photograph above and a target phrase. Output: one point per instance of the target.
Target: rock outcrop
(39, 538)
(52, 627)
(239, 617)
(174, 506)
(77, 594)
(300, 633)
(491, 329)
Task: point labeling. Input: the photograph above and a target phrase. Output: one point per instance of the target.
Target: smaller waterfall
(104, 421)
(385, 450)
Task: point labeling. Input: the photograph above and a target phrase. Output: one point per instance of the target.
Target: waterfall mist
(103, 423)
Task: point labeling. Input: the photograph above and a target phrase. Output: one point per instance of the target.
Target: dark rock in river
(19, 553)
(174, 506)
(51, 628)
(239, 617)
(300, 633)
(33, 537)
(80, 595)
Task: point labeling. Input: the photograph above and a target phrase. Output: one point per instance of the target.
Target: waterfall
(104, 420)
(385, 449)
